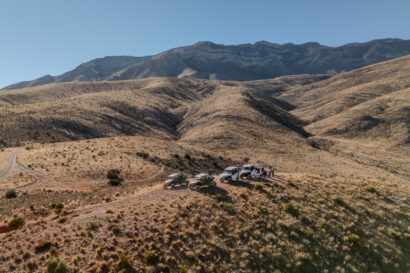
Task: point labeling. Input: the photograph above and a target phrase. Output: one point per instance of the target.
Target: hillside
(206, 60)
(159, 107)
(362, 114)
(339, 201)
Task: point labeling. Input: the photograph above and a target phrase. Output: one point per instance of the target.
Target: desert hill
(339, 200)
(207, 60)
(365, 108)
(297, 222)
(361, 114)
(158, 107)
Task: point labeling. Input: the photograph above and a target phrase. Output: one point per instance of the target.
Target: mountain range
(244, 62)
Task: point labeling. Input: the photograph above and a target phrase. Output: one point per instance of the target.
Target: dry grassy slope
(336, 226)
(76, 111)
(158, 107)
(384, 117)
(362, 115)
(325, 98)
(75, 164)
(369, 102)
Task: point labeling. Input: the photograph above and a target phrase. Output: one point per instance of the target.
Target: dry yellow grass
(231, 229)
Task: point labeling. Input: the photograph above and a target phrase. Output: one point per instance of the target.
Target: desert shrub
(11, 194)
(62, 220)
(246, 159)
(92, 226)
(258, 187)
(123, 260)
(187, 156)
(183, 269)
(114, 182)
(243, 196)
(176, 155)
(43, 245)
(219, 197)
(113, 176)
(16, 222)
(289, 208)
(353, 238)
(395, 235)
(338, 200)
(371, 189)
(151, 258)
(143, 155)
(55, 265)
(167, 164)
(323, 224)
(163, 268)
(57, 207)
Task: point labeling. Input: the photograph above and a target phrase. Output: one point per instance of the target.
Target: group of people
(263, 173)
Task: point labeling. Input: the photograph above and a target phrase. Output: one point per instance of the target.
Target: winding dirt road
(11, 164)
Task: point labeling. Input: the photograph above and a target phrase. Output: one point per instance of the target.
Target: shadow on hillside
(241, 184)
(213, 191)
(178, 188)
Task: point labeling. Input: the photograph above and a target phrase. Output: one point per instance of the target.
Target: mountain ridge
(243, 62)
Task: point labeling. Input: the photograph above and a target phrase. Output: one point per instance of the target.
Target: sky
(53, 36)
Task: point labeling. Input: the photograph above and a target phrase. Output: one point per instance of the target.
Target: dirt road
(11, 164)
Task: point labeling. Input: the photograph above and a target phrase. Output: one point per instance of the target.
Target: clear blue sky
(39, 37)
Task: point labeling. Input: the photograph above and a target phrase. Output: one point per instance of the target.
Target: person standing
(272, 172)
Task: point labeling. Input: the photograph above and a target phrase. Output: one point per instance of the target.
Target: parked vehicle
(248, 170)
(174, 180)
(202, 180)
(229, 174)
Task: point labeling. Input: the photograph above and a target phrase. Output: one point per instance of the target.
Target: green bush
(43, 245)
(395, 235)
(323, 224)
(11, 194)
(123, 260)
(187, 156)
(57, 207)
(16, 222)
(55, 265)
(183, 269)
(289, 208)
(371, 189)
(246, 159)
(353, 238)
(151, 258)
(258, 187)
